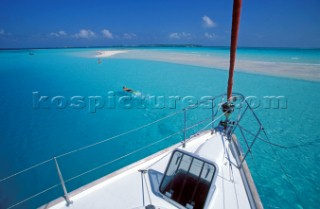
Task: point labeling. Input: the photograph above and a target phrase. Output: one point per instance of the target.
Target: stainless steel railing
(210, 122)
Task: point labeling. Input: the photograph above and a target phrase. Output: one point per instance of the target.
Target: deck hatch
(187, 180)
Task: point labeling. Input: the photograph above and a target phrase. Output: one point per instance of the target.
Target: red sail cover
(234, 40)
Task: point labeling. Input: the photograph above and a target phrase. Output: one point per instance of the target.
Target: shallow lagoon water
(30, 135)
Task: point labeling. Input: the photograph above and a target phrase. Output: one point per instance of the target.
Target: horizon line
(156, 45)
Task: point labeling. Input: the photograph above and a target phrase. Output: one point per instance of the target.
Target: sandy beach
(101, 54)
(281, 69)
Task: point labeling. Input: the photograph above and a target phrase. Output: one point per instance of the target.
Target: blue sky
(264, 23)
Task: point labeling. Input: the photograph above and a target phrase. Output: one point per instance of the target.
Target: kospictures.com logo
(113, 101)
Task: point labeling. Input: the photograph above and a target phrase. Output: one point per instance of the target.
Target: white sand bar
(101, 54)
(302, 71)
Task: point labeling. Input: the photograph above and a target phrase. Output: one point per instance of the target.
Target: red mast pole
(234, 41)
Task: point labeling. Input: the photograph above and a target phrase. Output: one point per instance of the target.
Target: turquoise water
(30, 135)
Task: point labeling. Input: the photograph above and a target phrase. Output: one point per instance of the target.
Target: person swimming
(127, 89)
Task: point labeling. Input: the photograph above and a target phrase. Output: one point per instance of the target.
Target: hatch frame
(211, 185)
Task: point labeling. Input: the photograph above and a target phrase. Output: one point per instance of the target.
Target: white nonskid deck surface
(124, 190)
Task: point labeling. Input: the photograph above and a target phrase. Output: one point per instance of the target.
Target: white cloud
(2, 32)
(62, 33)
(85, 34)
(207, 22)
(209, 35)
(107, 34)
(129, 35)
(179, 35)
(54, 34)
(174, 36)
(58, 34)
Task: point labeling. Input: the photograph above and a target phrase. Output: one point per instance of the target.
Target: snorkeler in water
(127, 89)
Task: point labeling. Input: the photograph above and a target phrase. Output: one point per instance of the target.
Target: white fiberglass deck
(124, 190)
